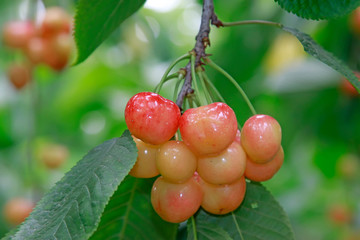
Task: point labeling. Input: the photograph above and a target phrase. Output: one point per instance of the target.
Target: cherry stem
(193, 76)
(202, 41)
(205, 89)
(165, 76)
(233, 81)
(230, 24)
(209, 83)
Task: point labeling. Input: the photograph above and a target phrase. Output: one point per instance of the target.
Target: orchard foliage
(97, 199)
(319, 9)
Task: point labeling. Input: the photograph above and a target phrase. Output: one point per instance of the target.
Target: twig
(202, 41)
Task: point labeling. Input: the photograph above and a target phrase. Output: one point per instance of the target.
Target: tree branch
(202, 41)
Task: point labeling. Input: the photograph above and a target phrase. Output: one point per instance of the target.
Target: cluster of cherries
(49, 42)
(208, 167)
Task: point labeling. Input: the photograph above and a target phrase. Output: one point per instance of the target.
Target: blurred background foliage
(82, 106)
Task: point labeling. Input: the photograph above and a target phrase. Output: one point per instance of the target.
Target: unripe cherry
(208, 129)
(224, 168)
(261, 138)
(16, 34)
(175, 161)
(54, 155)
(145, 166)
(222, 199)
(176, 202)
(152, 118)
(19, 74)
(17, 210)
(260, 172)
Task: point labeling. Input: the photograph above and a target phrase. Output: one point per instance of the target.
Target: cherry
(260, 172)
(208, 129)
(340, 214)
(35, 50)
(17, 210)
(176, 163)
(145, 166)
(56, 21)
(347, 88)
(54, 155)
(19, 74)
(16, 34)
(152, 118)
(176, 202)
(348, 166)
(224, 168)
(222, 199)
(261, 138)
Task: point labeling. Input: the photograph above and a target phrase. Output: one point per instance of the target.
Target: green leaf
(73, 207)
(319, 9)
(96, 20)
(315, 50)
(259, 217)
(206, 231)
(129, 215)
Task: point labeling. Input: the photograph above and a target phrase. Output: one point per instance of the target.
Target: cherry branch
(202, 41)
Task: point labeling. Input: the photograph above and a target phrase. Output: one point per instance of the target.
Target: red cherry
(260, 172)
(56, 21)
(208, 129)
(222, 199)
(35, 50)
(347, 88)
(19, 75)
(152, 118)
(16, 34)
(17, 210)
(261, 138)
(176, 202)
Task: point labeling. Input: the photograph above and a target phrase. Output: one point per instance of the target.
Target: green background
(83, 106)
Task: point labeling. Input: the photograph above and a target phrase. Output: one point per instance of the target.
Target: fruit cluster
(208, 167)
(48, 42)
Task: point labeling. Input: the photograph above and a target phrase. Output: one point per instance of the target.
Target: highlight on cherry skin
(176, 202)
(224, 168)
(152, 118)
(261, 138)
(222, 199)
(175, 162)
(208, 129)
(260, 172)
(145, 166)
